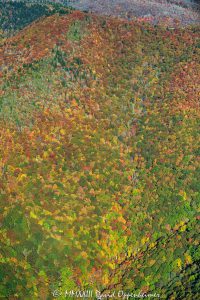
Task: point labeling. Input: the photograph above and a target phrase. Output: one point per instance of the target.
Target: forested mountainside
(99, 158)
(183, 11)
(15, 15)
(156, 11)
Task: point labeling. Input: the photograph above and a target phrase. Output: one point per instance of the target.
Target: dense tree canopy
(99, 158)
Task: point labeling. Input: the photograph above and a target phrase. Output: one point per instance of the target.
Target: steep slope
(15, 15)
(99, 158)
(156, 11)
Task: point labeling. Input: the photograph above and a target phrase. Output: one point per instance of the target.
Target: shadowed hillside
(18, 14)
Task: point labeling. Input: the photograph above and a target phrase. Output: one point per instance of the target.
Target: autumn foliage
(99, 157)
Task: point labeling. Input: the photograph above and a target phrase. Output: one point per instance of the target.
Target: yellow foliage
(21, 177)
(105, 279)
(183, 228)
(84, 254)
(62, 131)
(45, 154)
(188, 259)
(144, 240)
(33, 215)
(183, 194)
(41, 222)
(179, 263)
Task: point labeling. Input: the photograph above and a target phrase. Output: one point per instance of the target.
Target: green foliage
(77, 30)
(99, 158)
(16, 15)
